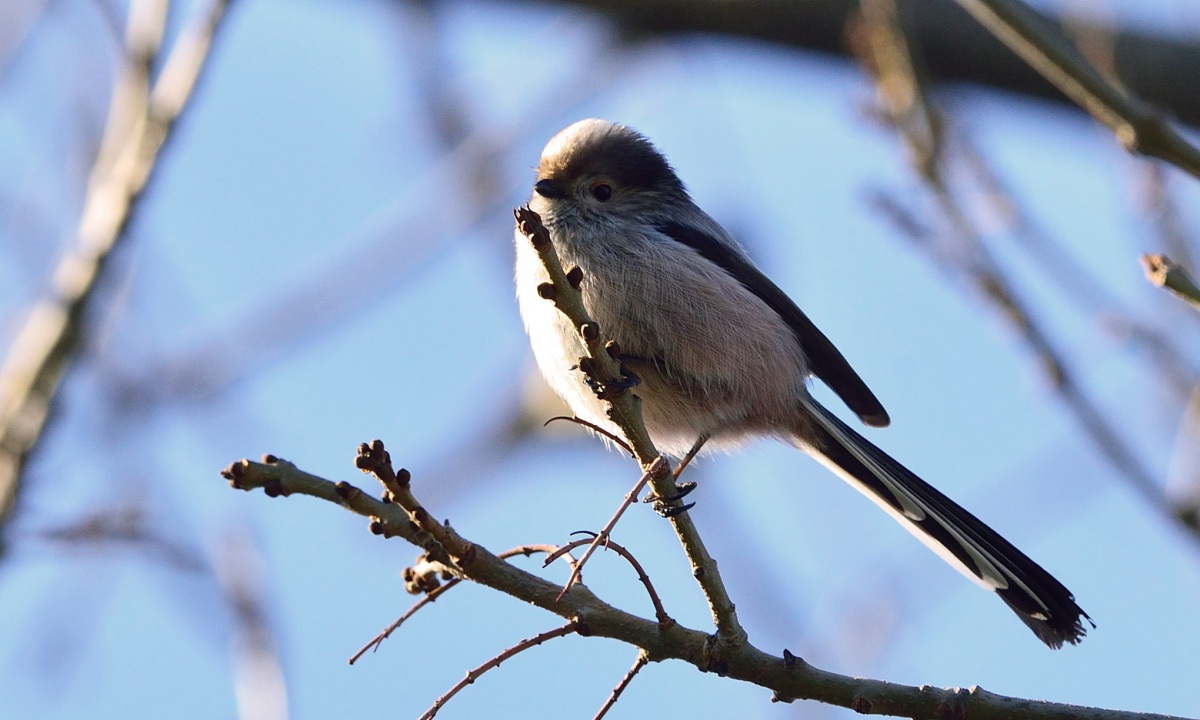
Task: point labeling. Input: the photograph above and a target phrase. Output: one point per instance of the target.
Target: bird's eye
(602, 192)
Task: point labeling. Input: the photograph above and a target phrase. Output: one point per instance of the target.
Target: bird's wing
(824, 360)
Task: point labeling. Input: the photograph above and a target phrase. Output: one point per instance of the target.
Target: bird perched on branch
(722, 355)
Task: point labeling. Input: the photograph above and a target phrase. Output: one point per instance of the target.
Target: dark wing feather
(825, 361)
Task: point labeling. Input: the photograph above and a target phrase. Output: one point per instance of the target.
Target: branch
(789, 677)
(1158, 68)
(1138, 127)
(625, 411)
(140, 120)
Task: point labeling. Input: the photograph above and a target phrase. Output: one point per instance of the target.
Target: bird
(722, 356)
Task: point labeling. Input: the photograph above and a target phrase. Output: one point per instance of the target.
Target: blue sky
(306, 240)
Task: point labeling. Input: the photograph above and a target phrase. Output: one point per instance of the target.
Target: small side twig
(434, 594)
(660, 613)
(638, 664)
(659, 466)
(473, 675)
(374, 458)
(426, 599)
(1165, 274)
(595, 428)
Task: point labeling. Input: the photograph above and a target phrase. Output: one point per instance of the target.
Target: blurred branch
(993, 285)
(1165, 274)
(906, 106)
(20, 24)
(1138, 127)
(124, 527)
(259, 681)
(1158, 68)
(1165, 213)
(1183, 478)
(399, 244)
(790, 677)
(140, 122)
(1072, 278)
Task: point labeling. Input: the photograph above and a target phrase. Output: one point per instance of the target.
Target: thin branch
(625, 411)
(442, 543)
(790, 677)
(1165, 274)
(139, 126)
(473, 675)
(596, 429)
(994, 288)
(427, 598)
(659, 611)
(437, 592)
(602, 537)
(638, 664)
(1138, 127)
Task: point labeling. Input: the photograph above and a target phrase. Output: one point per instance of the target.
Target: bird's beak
(548, 189)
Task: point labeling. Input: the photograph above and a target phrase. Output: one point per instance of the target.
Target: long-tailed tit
(723, 355)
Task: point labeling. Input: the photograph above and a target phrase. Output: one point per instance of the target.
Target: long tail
(960, 538)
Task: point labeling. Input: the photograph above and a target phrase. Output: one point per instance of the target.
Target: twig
(139, 126)
(473, 675)
(659, 465)
(427, 598)
(437, 592)
(1165, 274)
(1138, 127)
(626, 413)
(447, 547)
(660, 612)
(638, 664)
(789, 677)
(595, 428)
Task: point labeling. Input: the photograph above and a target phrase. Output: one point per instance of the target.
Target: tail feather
(979, 552)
